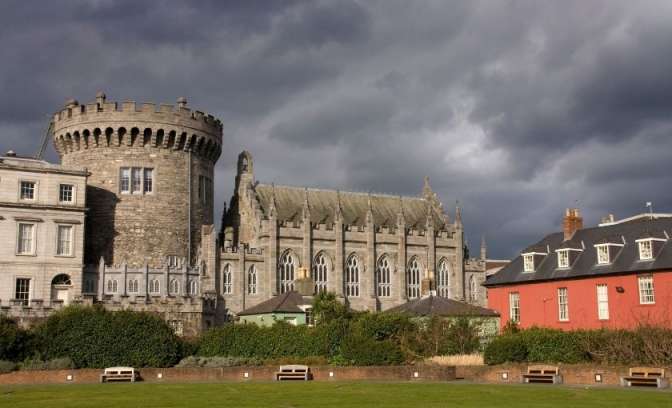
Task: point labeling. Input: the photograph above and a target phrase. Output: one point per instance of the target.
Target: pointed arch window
(227, 281)
(383, 278)
(320, 272)
(443, 279)
(133, 286)
(473, 289)
(351, 280)
(252, 280)
(154, 287)
(174, 287)
(112, 286)
(286, 269)
(413, 279)
(193, 287)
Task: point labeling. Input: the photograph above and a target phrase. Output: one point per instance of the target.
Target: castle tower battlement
(150, 188)
(102, 123)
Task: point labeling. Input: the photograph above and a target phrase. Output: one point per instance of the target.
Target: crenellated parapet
(110, 124)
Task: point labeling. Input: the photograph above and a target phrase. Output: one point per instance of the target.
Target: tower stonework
(150, 189)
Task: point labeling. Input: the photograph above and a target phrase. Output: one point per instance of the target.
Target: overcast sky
(518, 109)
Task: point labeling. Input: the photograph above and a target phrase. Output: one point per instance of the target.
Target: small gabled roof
(623, 233)
(441, 306)
(288, 302)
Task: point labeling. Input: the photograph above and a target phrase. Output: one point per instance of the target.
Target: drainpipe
(189, 210)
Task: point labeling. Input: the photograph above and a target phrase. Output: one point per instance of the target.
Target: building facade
(615, 275)
(42, 212)
(374, 251)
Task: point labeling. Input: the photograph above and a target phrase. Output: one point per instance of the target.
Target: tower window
(136, 180)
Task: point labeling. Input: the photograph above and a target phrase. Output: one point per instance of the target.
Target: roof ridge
(363, 193)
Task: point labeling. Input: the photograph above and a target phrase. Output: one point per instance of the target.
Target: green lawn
(368, 394)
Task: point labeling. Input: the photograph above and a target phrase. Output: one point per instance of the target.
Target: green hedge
(94, 338)
(15, 343)
(644, 345)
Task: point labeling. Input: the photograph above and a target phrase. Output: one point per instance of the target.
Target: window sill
(64, 256)
(20, 254)
(647, 304)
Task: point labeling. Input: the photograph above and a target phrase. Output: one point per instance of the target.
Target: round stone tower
(151, 184)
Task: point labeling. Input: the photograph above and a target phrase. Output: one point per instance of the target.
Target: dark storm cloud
(517, 109)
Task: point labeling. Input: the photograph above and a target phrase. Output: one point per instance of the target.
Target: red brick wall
(394, 373)
(539, 302)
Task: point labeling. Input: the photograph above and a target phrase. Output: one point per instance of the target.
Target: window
(66, 193)
(528, 263)
(310, 318)
(443, 279)
(563, 306)
(563, 259)
(645, 250)
(514, 307)
(64, 243)
(193, 287)
(22, 291)
(177, 326)
(351, 280)
(602, 254)
(286, 271)
(646, 293)
(172, 261)
(413, 279)
(27, 190)
(136, 180)
(204, 189)
(320, 270)
(133, 286)
(154, 286)
(227, 283)
(473, 289)
(26, 239)
(112, 286)
(174, 287)
(147, 184)
(252, 280)
(602, 302)
(125, 180)
(383, 278)
(89, 286)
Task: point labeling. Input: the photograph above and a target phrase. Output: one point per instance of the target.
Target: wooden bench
(542, 374)
(293, 372)
(119, 374)
(645, 377)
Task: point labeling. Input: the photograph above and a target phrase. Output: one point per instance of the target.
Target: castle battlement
(110, 124)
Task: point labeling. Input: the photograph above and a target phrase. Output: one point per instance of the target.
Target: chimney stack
(571, 222)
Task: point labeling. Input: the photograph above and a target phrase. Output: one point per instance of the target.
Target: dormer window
(563, 258)
(645, 249)
(602, 254)
(528, 262)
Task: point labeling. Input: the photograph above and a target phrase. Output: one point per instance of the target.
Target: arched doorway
(60, 288)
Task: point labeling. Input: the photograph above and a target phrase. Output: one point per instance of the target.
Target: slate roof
(289, 202)
(288, 302)
(441, 306)
(585, 265)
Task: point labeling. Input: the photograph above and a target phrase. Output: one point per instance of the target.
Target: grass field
(316, 394)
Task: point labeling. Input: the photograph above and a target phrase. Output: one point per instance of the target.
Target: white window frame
(352, 276)
(528, 262)
(514, 307)
(602, 301)
(125, 180)
(147, 181)
(27, 291)
(72, 193)
(33, 236)
(563, 258)
(413, 278)
(563, 304)
(603, 257)
(287, 271)
(135, 183)
(321, 272)
(443, 279)
(34, 190)
(645, 249)
(59, 249)
(647, 293)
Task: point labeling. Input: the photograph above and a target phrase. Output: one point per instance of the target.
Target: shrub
(553, 346)
(217, 362)
(503, 349)
(94, 338)
(361, 350)
(14, 341)
(63, 363)
(7, 366)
